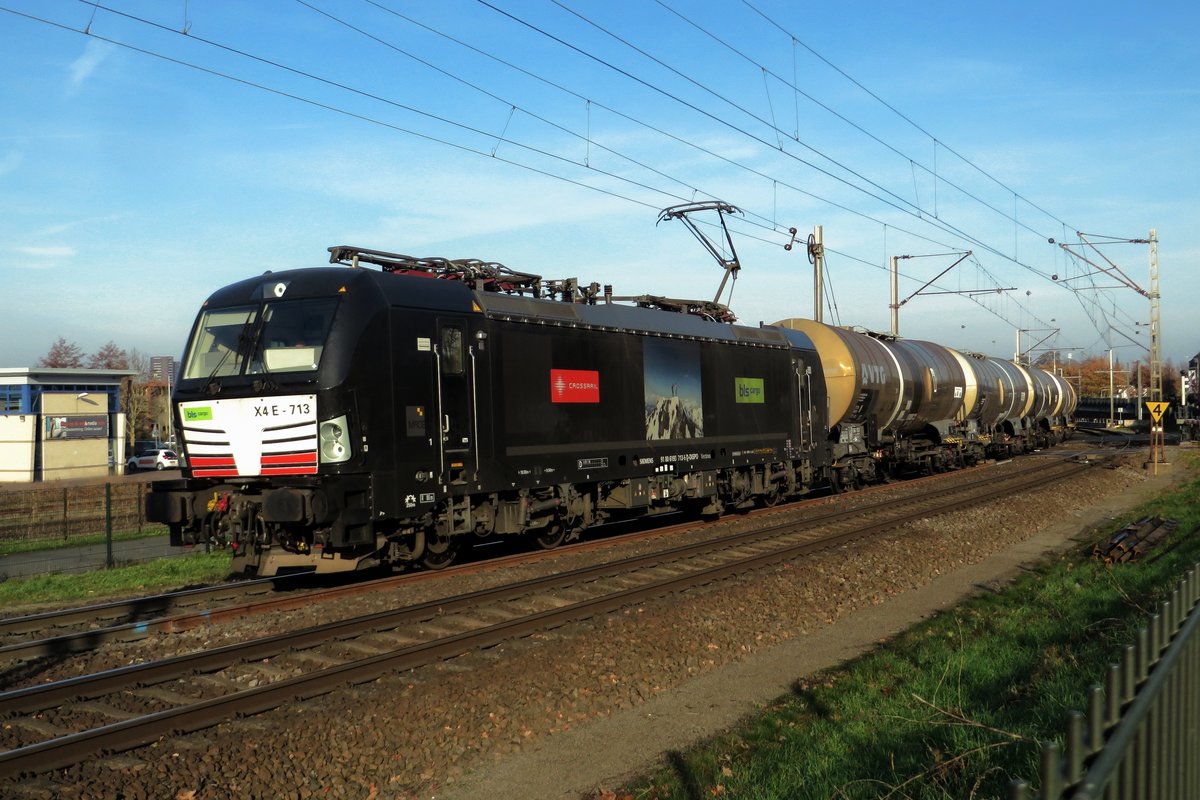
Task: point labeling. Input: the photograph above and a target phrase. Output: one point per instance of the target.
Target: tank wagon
(897, 406)
(392, 409)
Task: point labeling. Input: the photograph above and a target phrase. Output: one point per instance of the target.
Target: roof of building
(50, 376)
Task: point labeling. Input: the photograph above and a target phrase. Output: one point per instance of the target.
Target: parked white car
(160, 458)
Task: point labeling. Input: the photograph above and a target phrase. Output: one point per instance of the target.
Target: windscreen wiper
(211, 386)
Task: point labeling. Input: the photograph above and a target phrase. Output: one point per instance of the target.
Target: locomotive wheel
(772, 497)
(440, 552)
(552, 536)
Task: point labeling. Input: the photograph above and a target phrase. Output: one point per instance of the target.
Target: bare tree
(109, 357)
(136, 394)
(63, 354)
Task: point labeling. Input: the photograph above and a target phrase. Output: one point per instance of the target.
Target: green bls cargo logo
(197, 414)
(749, 390)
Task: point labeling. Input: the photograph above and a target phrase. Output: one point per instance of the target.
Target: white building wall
(16, 447)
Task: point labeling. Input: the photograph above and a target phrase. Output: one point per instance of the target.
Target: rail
(764, 546)
(1137, 737)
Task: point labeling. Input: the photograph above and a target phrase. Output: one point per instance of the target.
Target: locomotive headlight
(335, 443)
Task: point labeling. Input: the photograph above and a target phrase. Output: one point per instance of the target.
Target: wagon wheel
(440, 551)
(852, 480)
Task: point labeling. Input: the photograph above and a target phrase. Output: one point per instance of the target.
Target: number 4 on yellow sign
(1157, 409)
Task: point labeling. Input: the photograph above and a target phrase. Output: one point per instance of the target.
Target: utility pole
(1137, 370)
(1115, 272)
(895, 304)
(1155, 364)
(817, 256)
(1111, 389)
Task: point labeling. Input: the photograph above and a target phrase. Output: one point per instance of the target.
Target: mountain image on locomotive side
(394, 409)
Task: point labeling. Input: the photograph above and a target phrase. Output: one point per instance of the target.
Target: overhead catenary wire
(915, 212)
(771, 224)
(800, 92)
(540, 151)
(899, 204)
(899, 113)
(766, 225)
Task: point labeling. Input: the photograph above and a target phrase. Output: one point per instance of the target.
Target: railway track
(52, 725)
(72, 631)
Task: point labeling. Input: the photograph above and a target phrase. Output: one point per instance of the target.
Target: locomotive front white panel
(251, 436)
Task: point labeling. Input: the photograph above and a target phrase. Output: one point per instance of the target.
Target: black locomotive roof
(328, 281)
(455, 296)
(613, 316)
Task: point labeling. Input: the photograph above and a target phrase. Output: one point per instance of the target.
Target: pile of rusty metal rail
(1134, 540)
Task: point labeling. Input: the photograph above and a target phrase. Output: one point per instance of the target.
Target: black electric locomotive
(340, 417)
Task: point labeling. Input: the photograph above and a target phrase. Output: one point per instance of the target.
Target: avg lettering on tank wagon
(392, 409)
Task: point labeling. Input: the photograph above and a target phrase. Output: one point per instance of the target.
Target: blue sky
(547, 135)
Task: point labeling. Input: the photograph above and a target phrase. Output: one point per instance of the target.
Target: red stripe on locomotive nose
(212, 461)
(290, 458)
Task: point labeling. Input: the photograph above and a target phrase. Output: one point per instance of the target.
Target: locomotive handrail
(441, 429)
(474, 413)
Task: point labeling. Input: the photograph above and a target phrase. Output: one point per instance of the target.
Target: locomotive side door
(803, 376)
(456, 397)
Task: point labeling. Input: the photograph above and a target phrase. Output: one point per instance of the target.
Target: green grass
(58, 543)
(160, 575)
(955, 707)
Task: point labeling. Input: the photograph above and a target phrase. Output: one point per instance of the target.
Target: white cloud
(94, 54)
(50, 252)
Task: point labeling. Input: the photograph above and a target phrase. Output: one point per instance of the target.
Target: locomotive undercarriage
(273, 529)
(282, 529)
(553, 515)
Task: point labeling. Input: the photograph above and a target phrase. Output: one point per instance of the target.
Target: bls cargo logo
(749, 390)
(574, 386)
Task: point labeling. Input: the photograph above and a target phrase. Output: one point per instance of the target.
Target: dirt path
(602, 753)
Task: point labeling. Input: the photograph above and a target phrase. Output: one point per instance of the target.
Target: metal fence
(70, 528)
(1138, 736)
(51, 513)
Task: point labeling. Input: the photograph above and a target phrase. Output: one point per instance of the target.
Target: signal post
(1157, 439)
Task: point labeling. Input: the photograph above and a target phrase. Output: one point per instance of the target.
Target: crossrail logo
(574, 386)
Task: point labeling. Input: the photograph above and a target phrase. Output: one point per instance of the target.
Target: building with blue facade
(60, 423)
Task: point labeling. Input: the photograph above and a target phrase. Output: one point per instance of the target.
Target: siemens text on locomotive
(336, 418)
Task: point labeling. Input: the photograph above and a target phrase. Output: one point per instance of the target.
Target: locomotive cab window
(452, 351)
(217, 350)
(285, 336)
(293, 335)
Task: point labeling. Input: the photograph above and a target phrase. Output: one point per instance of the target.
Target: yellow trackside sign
(1157, 410)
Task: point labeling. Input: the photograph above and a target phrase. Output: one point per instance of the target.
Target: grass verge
(160, 575)
(955, 707)
(37, 545)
